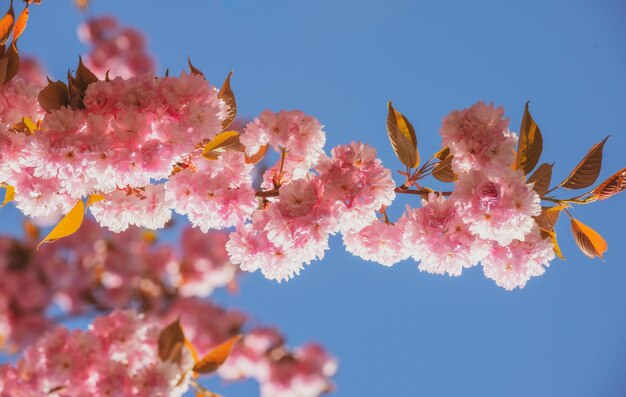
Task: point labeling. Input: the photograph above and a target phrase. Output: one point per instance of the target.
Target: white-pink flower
(497, 205)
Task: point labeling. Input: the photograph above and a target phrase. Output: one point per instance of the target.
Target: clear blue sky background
(399, 332)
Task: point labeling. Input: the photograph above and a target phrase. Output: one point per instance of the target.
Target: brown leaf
(4, 63)
(613, 185)
(84, 76)
(443, 170)
(53, 96)
(530, 144)
(258, 156)
(587, 171)
(443, 153)
(541, 179)
(216, 357)
(193, 68)
(20, 24)
(402, 136)
(551, 234)
(588, 240)
(6, 25)
(226, 94)
(13, 65)
(548, 217)
(171, 342)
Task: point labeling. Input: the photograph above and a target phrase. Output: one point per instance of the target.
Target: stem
(402, 189)
(267, 193)
(283, 156)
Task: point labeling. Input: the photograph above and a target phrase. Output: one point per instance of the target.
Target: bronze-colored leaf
(31, 230)
(6, 25)
(443, 153)
(53, 96)
(588, 240)
(530, 144)
(193, 69)
(4, 63)
(443, 170)
(226, 94)
(13, 65)
(171, 342)
(84, 76)
(587, 171)
(20, 24)
(227, 140)
(613, 185)
(216, 357)
(258, 156)
(541, 179)
(82, 4)
(551, 234)
(548, 217)
(402, 136)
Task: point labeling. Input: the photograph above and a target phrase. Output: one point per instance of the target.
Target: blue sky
(400, 332)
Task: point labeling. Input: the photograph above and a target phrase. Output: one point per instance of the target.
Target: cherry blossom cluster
(97, 271)
(129, 133)
(262, 355)
(136, 143)
(488, 218)
(114, 49)
(117, 356)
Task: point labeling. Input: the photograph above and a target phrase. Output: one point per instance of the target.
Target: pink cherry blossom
(512, 265)
(497, 206)
(357, 180)
(378, 242)
(436, 235)
(478, 137)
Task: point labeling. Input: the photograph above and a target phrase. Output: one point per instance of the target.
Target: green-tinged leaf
(53, 96)
(9, 194)
(68, 225)
(530, 144)
(193, 69)
(227, 140)
(226, 94)
(541, 179)
(549, 216)
(402, 136)
(587, 171)
(6, 25)
(216, 357)
(258, 156)
(613, 185)
(171, 342)
(551, 234)
(443, 170)
(588, 240)
(20, 24)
